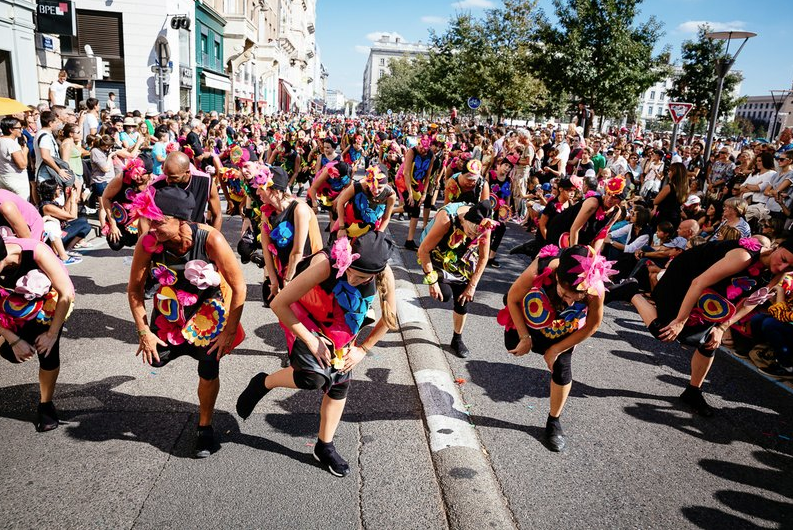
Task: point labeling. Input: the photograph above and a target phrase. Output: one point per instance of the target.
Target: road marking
(447, 420)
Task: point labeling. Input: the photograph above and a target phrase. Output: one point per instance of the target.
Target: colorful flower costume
(365, 212)
(125, 221)
(28, 302)
(456, 254)
(333, 185)
(280, 227)
(458, 194)
(417, 174)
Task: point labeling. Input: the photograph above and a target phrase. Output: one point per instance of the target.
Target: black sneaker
(623, 291)
(692, 396)
(493, 263)
(252, 394)
(554, 436)
(205, 443)
(459, 348)
(46, 417)
(325, 454)
(410, 245)
(777, 371)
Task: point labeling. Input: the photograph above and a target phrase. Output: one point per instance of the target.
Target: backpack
(45, 172)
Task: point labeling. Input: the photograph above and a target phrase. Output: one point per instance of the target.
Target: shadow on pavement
(773, 476)
(84, 285)
(93, 324)
(99, 413)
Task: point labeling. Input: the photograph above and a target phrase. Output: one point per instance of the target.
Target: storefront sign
(56, 17)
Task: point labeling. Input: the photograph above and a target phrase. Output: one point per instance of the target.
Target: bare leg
(646, 310)
(700, 366)
(459, 322)
(559, 395)
(329, 417)
(57, 244)
(47, 379)
(283, 378)
(207, 395)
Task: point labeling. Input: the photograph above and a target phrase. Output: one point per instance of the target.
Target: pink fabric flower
(750, 244)
(201, 274)
(548, 251)
(504, 318)
(756, 269)
(593, 271)
(34, 284)
(150, 244)
(544, 278)
(733, 292)
(760, 296)
(143, 205)
(186, 299)
(7, 322)
(342, 253)
(163, 274)
(133, 169)
(170, 332)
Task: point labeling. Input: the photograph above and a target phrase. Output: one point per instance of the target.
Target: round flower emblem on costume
(283, 234)
(163, 274)
(206, 324)
(457, 238)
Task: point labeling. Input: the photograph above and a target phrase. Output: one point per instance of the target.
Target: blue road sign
(474, 103)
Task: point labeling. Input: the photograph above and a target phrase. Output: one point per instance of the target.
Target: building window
(6, 75)
(652, 95)
(218, 53)
(650, 110)
(382, 61)
(663, 95)
(382, 73)
(660, 110)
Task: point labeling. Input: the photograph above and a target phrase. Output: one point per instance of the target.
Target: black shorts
(309, 375)
(29, 332)
(412, 211)
(208, 364)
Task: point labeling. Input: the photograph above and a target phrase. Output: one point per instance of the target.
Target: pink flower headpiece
(593, 271)
(170, 147)
(263, 177)
(238, 156)
(372, 179)
(615, 186)
(425, 142)
(474, 166)
(342, 253)
(134, 168)
(143, 205)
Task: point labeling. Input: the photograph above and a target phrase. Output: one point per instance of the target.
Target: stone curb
(469, 487)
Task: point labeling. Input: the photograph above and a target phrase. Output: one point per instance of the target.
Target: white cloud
(362, 49)
(692, 26)
(375, 35)
(429, 19)
(466, 4)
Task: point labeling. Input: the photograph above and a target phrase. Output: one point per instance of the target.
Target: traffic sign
(389, 112)
(474, 103)
(679, 110)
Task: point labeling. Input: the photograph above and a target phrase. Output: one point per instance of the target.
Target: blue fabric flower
(283, 234)
(506, 190)
(369, 215)
(338, 184)
(353, 303)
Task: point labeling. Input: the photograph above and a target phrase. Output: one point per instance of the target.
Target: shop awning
(216, 81)
(289, 88)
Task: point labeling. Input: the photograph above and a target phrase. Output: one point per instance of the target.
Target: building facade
(212, 84)
(761, 110)
(335, 100)
(382, 51)
(17, 51)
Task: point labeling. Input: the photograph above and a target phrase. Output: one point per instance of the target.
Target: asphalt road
(635, 457)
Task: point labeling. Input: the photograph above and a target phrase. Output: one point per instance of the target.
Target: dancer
(411, 184)
(453, 255)
(200, 294)
(121, 229)
(556, 304)
(704, 291)
(36, 297)
(501, 197)
(366, 205)
(468, 186)
(289, 232)
(325, 307)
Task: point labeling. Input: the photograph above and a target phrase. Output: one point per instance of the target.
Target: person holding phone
(13, 158)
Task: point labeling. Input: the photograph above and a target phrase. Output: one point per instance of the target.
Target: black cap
(374, 249)
(479, 212)
(280, 178)
(565, 184)
(175, 202)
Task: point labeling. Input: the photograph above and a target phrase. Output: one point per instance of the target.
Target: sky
(346, 29)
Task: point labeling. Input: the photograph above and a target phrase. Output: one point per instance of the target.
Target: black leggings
(698, 333)
(562, 372)
(208, 364)
(413, 211)
(452, 291)
(498, 234)
(126, 240)
(29, 332)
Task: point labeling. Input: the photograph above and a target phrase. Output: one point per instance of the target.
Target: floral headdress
(263, 177)
(474, 166)
(615, 186)
(425, 142)
(372, 179)
(170, 147)
(143, 205)
(341, 252)
(238, 156)
(133, 168)
(593, 272)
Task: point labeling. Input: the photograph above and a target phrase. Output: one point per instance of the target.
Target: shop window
(6, 75)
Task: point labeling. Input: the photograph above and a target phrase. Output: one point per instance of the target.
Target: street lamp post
(722, 69)
(778, 97)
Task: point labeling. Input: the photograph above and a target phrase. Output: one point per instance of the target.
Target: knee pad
(511, 338)
(655, 328)
(706, 352)
(460, 309)
(562, 369)
(339, 392)
(305, 380)
(446, 292)
(115, 245)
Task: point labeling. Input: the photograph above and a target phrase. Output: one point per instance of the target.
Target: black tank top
(198, 187)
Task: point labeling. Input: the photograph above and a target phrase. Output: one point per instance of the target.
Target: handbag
(45, 172)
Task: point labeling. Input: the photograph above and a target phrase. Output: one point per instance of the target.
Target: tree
(400, 88)
(696, 80)
(599, 53)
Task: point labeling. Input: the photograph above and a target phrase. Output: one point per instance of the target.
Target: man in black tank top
(177, 171)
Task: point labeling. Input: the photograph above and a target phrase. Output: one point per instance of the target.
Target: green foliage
(696, 82)
(598, 53)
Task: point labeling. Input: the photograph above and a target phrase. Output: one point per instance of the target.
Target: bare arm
(15, 219)
(214, 207)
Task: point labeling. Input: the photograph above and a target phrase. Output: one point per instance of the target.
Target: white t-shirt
(59, 89)
(7, 166)
(90, 122)
(110, 105)
(763, 180)
(47, 142)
